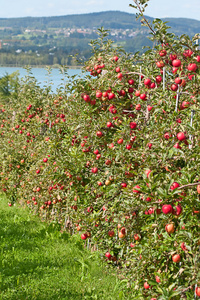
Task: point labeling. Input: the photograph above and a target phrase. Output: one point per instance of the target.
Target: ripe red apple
(178, 210)
(183, 247)
(160, 64)
(128, 146)
(136, 237)
(197, 291)
(167, 135)
(45, 159)
(147, 172)
(120, 141)
(147, 81)
(198, 188)
(108, 255)
(98, 94)
(115, 58)
(192, 67)
(109, 124)
(131, 81)
(123, 184)
(174, 87)
(96, 151)
(143, 97)
(157, 279)
(111, 96)
(176, 258)
(181, 136)
(177, 146)
(162, 52)
(146, 285)
(86, 98)
(133, 125)
(108, 162)
(84, 236)
(148, 199)
(111, 233)
(99, 134)
(119, 76)
(90, 209)
(176, 63)
(175, 185)
(149, 107)
(138, 107)
(94, 170)
(137, 93)
(136, 189)
(158, 79)
(167, 208)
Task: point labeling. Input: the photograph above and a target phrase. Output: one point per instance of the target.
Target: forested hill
(108, 19)
(54, 40)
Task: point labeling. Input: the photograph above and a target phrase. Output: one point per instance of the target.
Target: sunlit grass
(37, 261)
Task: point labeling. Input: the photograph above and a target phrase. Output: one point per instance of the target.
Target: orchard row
(115, 157)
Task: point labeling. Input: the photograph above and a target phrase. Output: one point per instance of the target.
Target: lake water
(41, 74)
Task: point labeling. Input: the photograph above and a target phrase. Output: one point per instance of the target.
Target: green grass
(37, 261)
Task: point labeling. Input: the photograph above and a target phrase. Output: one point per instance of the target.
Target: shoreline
(40, 66)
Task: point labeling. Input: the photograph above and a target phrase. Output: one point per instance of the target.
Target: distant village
(118, 34)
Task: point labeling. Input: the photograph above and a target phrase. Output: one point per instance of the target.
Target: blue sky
(157, 8)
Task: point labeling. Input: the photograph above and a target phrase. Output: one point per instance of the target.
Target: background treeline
(53, 40)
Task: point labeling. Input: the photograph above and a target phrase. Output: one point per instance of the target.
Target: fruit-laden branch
(137, 73)
(188, 185)
(141, 12)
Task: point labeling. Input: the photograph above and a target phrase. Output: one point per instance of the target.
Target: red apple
(146, 285)
(176, 258)
(167, 208)
(183, 247)
(176, 63)
(99, 134)
(192, 67)
(197, 291)
(181, 136)
(143, 97)
(84, 236)
(108, 255)
(147, 81)
(175, 185)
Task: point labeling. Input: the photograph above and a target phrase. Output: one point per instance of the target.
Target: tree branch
(188, 185)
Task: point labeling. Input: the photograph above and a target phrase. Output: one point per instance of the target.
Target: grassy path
(38, 262)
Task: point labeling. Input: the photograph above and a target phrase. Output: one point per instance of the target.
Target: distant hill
(108, 19)
(53, 40)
